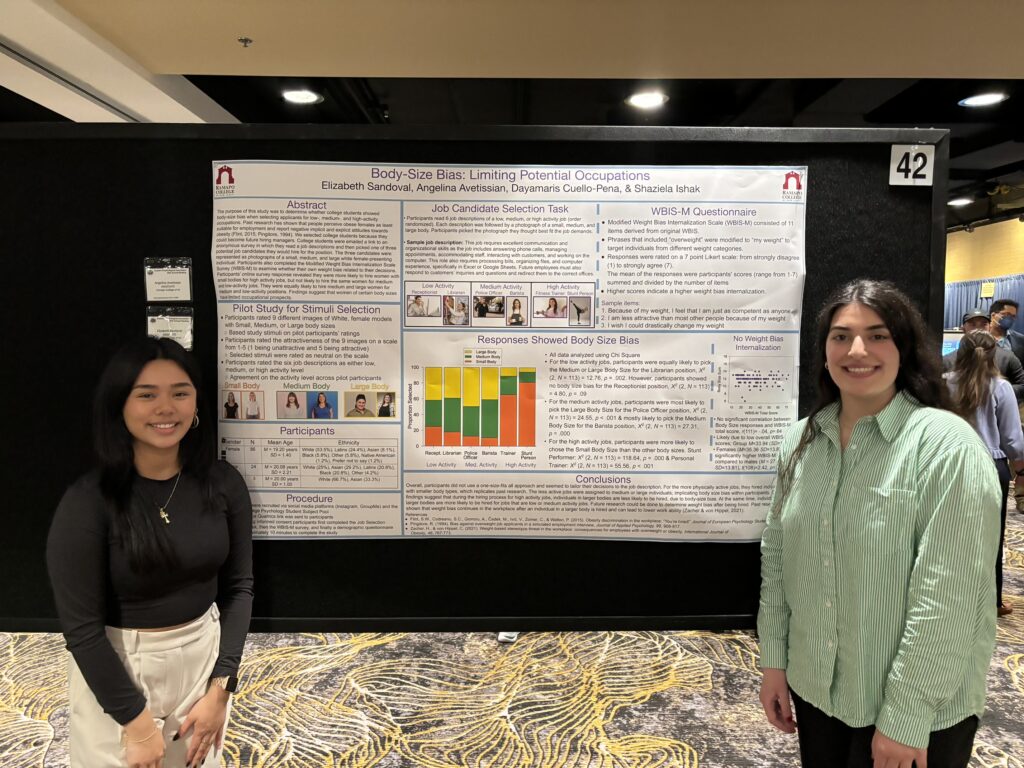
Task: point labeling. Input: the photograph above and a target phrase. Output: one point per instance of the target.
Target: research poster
(507, 351)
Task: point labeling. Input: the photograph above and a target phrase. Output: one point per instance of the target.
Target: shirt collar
(889, 421)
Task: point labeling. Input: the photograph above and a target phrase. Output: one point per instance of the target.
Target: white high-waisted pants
(171, 668)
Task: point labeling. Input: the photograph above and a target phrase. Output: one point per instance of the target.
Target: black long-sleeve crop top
(94, 585)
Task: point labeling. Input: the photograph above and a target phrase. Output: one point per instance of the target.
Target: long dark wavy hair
(920, 371)
(975, 368)
(137, 529)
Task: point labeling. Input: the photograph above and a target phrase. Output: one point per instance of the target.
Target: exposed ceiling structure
(455, 62)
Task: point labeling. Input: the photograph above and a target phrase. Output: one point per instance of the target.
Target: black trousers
(826, 742)
(1003, 470)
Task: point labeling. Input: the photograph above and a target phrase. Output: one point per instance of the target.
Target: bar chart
(480, 406)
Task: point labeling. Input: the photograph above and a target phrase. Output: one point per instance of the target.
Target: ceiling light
(647, 100)
(302, 97)
(960, 202)
(983, 100)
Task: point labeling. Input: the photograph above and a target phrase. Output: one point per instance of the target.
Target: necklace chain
(163, 507)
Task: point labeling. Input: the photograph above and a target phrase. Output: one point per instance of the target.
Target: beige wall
(989, 251)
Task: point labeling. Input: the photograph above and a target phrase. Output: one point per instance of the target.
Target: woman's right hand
(775, 700)
(144, 742)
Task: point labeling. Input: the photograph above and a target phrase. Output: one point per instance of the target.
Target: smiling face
(360, 403)
(862, 358)
(160, 407)
(321, 400)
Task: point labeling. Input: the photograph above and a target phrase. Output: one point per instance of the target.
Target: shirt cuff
(126, 716)
(909, 724)
(774, 654)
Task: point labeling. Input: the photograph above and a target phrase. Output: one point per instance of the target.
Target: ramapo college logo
(224, 184)
(793, 186)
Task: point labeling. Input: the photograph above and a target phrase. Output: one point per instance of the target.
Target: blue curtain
(963, 297)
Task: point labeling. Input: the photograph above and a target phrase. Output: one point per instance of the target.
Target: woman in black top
(230, 407)
(152, 545)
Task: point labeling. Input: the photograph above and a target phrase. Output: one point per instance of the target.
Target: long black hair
(138, 531)
(919, 375)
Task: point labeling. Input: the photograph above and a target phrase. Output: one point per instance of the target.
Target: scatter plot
(760, 380)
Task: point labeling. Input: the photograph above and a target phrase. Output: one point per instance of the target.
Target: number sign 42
(912, 165)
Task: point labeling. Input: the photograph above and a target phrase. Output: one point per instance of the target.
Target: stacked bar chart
(480, 406)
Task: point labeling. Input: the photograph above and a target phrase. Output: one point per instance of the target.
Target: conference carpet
(462, 700)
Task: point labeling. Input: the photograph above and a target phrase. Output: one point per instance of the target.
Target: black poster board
(82, 206)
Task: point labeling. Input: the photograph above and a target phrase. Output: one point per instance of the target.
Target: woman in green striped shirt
(877, 599)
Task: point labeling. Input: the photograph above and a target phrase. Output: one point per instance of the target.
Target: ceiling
(563, 62)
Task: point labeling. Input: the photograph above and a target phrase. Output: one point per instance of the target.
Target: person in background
(150, 559)
(1004, 316)
(986, 400)
(876, 615)
(1006, 362)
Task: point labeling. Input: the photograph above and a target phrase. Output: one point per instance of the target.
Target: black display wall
(82, 206)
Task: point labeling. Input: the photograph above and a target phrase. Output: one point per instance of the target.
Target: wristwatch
(227, 683)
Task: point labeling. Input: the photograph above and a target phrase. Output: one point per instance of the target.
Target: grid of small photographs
(519, 305)
(317, 404)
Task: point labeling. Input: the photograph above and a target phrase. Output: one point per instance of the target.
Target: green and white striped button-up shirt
(878, 573)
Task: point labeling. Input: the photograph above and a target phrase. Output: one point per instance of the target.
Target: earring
(195, 421)
(826, 366)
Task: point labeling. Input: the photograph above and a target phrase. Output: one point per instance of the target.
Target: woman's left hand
(891, 754)
(206, 720)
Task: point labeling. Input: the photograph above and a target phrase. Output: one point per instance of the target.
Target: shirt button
(853, 446)
(830, 644)
(826, 562)
(828, 603)
(824, 523)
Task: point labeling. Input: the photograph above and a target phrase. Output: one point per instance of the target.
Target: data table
(314, 463)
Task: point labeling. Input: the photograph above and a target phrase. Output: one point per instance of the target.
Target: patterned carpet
(446, 700)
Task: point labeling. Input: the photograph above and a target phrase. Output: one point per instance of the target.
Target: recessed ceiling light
(302, 97)
(647, 100)
(960, 202)
(983, 100)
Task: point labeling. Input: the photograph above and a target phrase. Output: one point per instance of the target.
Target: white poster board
(527, 351)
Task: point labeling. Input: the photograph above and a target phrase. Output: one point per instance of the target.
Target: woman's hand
(891, 754)
(143, 742)
(206, 720)
(775, 700)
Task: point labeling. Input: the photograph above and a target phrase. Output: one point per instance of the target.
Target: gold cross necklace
(163, 509)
